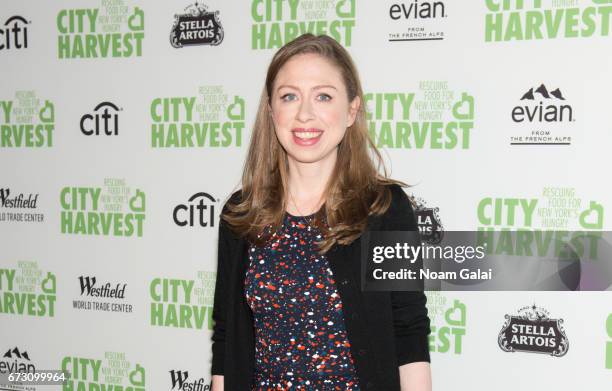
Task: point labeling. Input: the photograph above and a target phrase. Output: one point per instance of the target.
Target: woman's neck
(307, 182)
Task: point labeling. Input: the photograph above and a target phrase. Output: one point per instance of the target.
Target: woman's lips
(306, 137)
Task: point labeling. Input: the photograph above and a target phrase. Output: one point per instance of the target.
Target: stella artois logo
(428, 221)
(197, 26)
(533, 331)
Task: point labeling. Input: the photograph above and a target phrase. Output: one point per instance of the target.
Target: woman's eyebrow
(314, 88)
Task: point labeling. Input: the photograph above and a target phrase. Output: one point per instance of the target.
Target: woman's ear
(353, 110)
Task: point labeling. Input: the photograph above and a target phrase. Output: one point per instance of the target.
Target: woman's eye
(324, 97)
(288, 97)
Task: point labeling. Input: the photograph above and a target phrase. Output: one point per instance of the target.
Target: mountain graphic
(15, 352)
(528, 95)
(557, 94)
(543, 91)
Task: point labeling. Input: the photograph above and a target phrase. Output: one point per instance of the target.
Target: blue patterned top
(300, 338)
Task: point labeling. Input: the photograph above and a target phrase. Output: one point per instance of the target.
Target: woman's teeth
(307, 135)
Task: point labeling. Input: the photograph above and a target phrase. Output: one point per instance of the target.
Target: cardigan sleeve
(410, 320)
(221, 294)
(219, 306)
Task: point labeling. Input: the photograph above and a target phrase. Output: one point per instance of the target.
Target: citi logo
(104, 120)
(14, 35)
(198, 211)
(179, 382)
(542, 105)
(417, 10)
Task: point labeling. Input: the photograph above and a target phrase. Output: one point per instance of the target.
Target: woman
(289, 311)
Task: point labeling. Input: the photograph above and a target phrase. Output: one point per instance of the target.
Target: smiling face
(310, 108)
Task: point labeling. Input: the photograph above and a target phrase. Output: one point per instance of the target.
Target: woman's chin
(309, 157)
(305, 159)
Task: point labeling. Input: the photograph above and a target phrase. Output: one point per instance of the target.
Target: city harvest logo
(115, 372)
(609, 343)
(11, 206)
(108, 31)
(433, 118)
(112, 210)
(448, 323)
(518, 20)
(104, 120)
(197, 26)
(26, 122)
(544, 117)
(94, 292)
(27, 290)
(536, 220)
(209, 120)
(14, 34)
(533, 331)
(198, 211)
(179, 380)
(417, 21)
(276, 23)
(428, 221)
(183, 303)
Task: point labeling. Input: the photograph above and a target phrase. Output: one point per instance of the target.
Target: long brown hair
(356, 188)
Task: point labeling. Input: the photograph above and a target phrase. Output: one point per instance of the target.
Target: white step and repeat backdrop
(124, 125)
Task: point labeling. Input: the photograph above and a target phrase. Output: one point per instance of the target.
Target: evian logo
(15, 361)
(415, 20)
(541, 105)
(417, 10)
(533, 331)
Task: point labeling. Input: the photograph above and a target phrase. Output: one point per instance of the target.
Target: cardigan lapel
(345, 264)
(241, 347)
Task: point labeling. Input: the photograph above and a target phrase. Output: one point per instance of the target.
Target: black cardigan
(385, 329)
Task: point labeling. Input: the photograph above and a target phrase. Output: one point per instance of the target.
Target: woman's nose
(306, 111)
